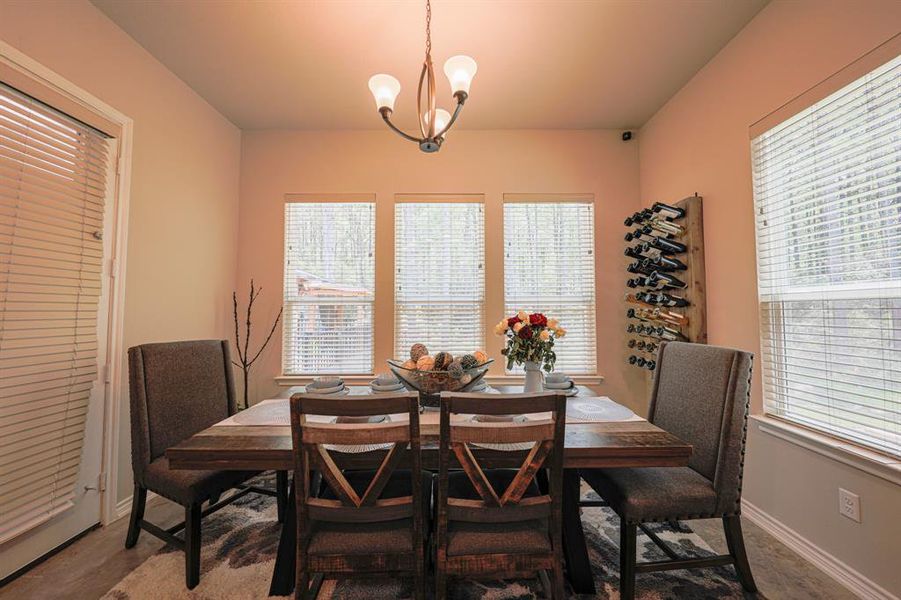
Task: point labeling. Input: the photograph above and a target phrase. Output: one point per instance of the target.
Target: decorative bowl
(430, 384)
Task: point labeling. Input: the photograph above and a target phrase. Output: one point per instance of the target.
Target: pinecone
(442, 360)
(468, 361)
(417, 351)
(455, 369)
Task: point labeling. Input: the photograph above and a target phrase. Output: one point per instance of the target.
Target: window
(54, 178)
(549, 268)
(439, 287)
(827, 192)
(329, 285)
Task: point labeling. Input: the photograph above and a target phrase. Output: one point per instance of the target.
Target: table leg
(575, 550)
(283, 574)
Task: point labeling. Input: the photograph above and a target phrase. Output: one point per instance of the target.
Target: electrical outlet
(849, 504)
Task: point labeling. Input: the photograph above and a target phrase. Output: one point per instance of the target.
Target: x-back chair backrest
(310, 453)
(547, 436)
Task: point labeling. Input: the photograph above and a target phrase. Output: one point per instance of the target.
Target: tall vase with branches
(243, 346)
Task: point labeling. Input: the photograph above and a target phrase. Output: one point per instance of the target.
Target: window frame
(493, 303)
(797, 431)
(329, 199)
(579, 199)
(440, 199)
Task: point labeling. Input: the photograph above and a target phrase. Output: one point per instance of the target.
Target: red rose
(538, 319)
(525, 333)
(513, 321)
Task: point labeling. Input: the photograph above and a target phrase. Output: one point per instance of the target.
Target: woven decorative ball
(455, 369)
(480, 356)
(417, 351)
(442, 359)
(426, 363)
(469, 361)
(410, 364)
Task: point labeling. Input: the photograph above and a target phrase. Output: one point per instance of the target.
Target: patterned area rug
(238, 555)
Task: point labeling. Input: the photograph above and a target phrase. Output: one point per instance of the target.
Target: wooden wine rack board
(694, 276)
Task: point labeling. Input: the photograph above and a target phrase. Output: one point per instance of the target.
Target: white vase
(534, 379)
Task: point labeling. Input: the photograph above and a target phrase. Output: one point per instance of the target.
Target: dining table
(599, 434)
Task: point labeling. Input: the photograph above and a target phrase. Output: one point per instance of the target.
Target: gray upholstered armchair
(178, 389)
(700, 394)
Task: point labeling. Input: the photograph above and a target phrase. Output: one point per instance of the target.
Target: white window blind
(439, 286)
(54, 172)
(329, 285)
(549, 268)
(827, 191)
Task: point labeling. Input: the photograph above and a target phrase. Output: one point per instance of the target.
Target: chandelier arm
(419, 116)
(457, 111)
(386, 116)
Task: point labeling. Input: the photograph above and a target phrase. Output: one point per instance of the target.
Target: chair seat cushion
(190, 486)
(387, 537)
(654, 494)
(466, 538)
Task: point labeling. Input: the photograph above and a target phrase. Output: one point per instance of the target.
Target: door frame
(114, 370)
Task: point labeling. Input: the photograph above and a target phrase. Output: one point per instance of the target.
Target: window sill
(292, 380)
(870, 462)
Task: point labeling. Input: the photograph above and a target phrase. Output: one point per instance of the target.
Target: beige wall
(699, 142)
(487, 162)
(184, 191)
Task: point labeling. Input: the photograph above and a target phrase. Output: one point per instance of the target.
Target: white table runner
(275, 412)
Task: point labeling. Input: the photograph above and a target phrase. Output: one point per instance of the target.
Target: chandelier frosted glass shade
(442, 118)
(385, 89)
(460, 70)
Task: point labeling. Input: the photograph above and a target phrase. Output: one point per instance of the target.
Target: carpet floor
(239, 545)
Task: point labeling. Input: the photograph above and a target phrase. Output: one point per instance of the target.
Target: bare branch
(237, 334)
(247, 331)
(268, 337)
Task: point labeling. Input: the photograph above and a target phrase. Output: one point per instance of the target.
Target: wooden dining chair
(701, 394)
(364, 521)
(178, 389)
(497, 522)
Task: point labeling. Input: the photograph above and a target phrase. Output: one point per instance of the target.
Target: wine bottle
(659, 242)
(633, 342)
(646, 346)
(668, 279)
(639, 217)
(673, 212)
(650, 365)
(636, 268)
(664, 263)
(666, 227)
(662, 299)
(648, 231)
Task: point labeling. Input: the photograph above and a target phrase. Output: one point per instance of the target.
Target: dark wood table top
(632, 443)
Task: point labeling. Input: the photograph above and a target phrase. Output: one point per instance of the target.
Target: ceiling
(543, 64)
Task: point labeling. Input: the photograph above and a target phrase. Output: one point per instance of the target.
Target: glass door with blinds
(56, 177)
(439, 274)
(549, 268)
(827, 192)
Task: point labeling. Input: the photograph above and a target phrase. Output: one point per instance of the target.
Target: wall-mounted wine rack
(665, 297)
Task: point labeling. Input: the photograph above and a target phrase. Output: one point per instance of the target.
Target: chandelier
(434, 122)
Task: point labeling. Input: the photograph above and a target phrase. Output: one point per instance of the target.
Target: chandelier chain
(428, 28)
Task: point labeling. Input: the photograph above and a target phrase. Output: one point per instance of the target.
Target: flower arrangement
(530, 338)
